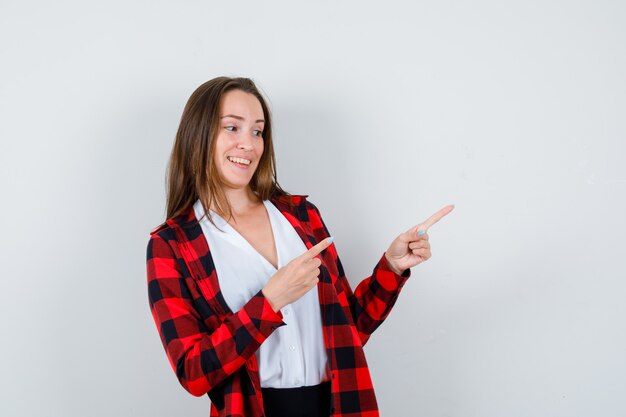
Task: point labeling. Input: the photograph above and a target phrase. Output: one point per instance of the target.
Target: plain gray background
(384, 113)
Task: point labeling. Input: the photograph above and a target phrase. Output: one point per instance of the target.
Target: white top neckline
(224, 224)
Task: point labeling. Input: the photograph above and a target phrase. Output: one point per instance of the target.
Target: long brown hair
(191, 171)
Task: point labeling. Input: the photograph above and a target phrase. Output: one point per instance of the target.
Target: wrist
(271, 302)
(392, 266)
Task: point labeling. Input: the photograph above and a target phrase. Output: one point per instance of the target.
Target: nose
(244, 142)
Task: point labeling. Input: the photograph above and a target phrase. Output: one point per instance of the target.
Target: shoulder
(291, 199)
(164, 241)
(161, 241)
(159, 228)
(298, 205)
(166, 230)
(309, 213)
(295, 201)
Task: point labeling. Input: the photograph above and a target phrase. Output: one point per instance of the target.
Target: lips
(238, 165)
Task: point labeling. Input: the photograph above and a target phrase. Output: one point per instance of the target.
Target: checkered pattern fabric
(211, 348)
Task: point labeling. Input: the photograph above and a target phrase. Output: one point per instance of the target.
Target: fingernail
(421, 232)
(330, 239)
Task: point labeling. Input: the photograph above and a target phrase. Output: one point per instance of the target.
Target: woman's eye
(259, 133)
(229, 127)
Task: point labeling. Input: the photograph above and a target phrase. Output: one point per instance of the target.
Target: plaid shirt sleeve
(372, 300)
(202, 349)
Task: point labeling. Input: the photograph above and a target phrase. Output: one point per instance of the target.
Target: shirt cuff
(262, 314)
(269, 313)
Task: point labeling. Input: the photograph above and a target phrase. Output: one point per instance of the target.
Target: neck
(240, 199)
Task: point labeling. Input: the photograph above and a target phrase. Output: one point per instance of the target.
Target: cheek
(221, 147)
(216, 159)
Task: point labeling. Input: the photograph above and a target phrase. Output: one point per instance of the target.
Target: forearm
(374, 297)
(203, 359)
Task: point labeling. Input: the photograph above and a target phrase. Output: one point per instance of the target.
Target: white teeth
(240, 160)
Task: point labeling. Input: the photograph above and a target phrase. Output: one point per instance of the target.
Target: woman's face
(240, 136)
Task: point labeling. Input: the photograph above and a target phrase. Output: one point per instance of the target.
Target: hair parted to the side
(191, 171)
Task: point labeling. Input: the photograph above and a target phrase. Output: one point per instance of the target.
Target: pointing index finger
(436, 217)
(317, 249)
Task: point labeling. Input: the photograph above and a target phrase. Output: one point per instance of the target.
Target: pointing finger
(317, 249)
(436, 217)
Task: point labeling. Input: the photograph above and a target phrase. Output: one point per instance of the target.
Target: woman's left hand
(412, 248)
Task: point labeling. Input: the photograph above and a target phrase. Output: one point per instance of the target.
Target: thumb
(413, 233)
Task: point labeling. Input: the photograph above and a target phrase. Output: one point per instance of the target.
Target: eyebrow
(234, 116)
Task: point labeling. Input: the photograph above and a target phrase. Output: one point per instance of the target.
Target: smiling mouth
(237, 162)
(242, 161)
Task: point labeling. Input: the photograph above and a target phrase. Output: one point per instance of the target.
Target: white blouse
(293, 355)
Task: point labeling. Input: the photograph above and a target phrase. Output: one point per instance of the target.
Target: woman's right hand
(296, 278)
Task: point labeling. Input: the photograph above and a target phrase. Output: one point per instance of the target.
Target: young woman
(248, 294)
